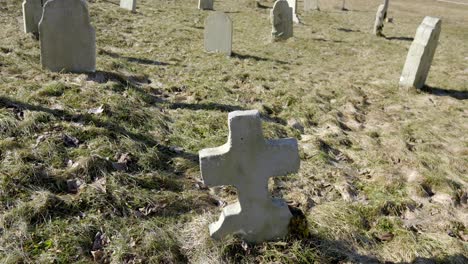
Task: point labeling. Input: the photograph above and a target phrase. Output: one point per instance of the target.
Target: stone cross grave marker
(420, 55)
(32, 13)
(379, 21)
(310, 5)
(246, 161)
(128, 4)
(281, 20)
(293, 5)
(218, 33)
(205, 4)
(68, 41)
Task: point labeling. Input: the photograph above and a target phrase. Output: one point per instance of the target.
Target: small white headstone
(293, 5)
(379, 21)
(310, 5)
(386, 3)
(32, 13)
(68, 41)
(205, 4)
(282, 20)
(128, 4)
(420, 55)
(218, 33)
(246, 161)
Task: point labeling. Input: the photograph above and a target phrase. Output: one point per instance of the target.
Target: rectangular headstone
(379, 21)
(420, 55)
(128, 4)
(282, 21)
(218, 33)
(293, 5)
(205, 4)
(68, 41)
(32, 13)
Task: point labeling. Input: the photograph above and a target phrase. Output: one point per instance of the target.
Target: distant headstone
(293, 5)
(218, 33)
(68, 41)
(343, 6)
(128, 4)
(32, 13)
(379, 21)
(205, 4)
(282, 20)
(310, 5)
(420, 55)
(386, 3)
(247, 161)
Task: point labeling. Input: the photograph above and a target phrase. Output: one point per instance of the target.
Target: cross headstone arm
(214, 164)
(284, 156)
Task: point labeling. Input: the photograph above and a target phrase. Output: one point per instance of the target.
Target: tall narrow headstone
(247, 161)
(32, 13)
(68, 41)
(310, 5)
(386, 3)
(205, 4)
(343, 6)
(282, 21)
(218, 33)
(128, 4)
(379, 21)
(420, 55)
(293, 5)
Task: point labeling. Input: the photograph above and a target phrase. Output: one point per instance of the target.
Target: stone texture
(293, 5)
(310, 5)
(420, 55)
(246, 161)
(68, 41)
(218, 33)
(282, 21)
(379, 21)
(32, 13)
(205, 4)
(128, 4)
(385, 9)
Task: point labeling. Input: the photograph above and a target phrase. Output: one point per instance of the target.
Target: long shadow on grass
(256, 58)
(327, 40)
(132, 59)
(400, 38)
(460, 95)
(207, 106)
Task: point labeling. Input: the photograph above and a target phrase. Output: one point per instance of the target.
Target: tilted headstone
(310, 5)
(247, 161)
(420, 55)
(128, 4)
(293, 5)
(32, 13)
(218, 33)
(386, 3)
(205, 4)
(68, 41)
(282, 20)
(379, 21)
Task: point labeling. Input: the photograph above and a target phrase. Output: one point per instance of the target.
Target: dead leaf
(96, 111)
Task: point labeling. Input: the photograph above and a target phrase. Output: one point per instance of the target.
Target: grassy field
(103, 167)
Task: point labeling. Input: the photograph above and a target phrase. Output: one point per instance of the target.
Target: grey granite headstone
(379, 21)
(128, 4)
(218, 33)
(386, 3)
(68, 41)
(247, 161)
(282, 21)
(310, 5)
(293, 5)
(205, 4)
(32, 13)
(420, 55)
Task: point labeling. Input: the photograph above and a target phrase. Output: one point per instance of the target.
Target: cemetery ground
(104, 166)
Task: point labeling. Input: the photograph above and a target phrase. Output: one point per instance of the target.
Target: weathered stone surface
(282, 21)
(379, 21)
(310, 5)
(32, 13)
(128, 4)
(218, 33)
(420, 55)
(246, 161)
(205, 4)
(68, 41)
(385, 9)
(293, 5)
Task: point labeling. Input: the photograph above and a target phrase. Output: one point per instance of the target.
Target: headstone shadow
(459, 95)
(400, 38)
(253, 57)
(132, 59)
(347, 30)
(207, 106)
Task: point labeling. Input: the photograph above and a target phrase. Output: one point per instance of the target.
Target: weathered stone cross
(246, 161)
